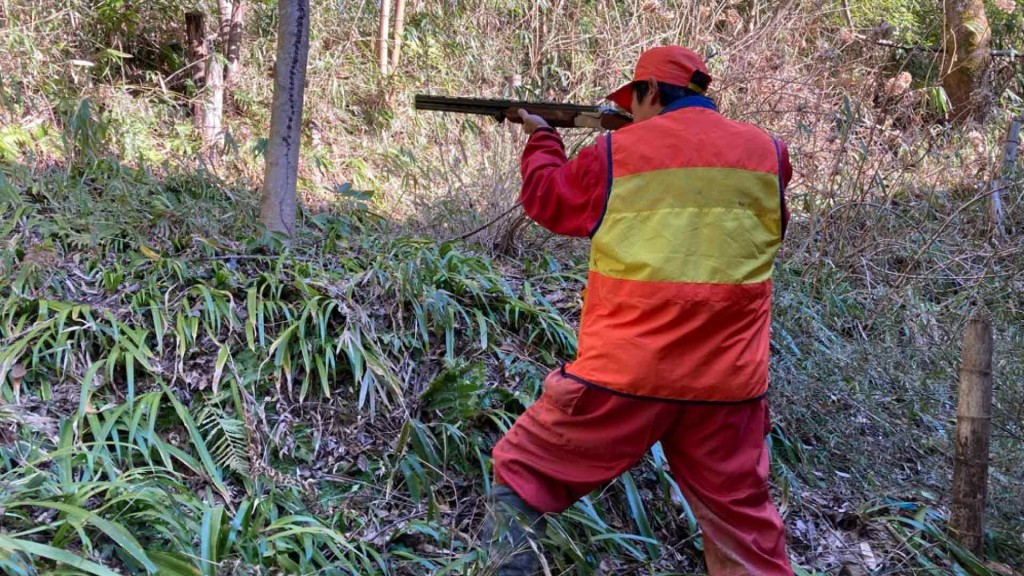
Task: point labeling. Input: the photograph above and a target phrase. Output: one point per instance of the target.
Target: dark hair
(667, 93)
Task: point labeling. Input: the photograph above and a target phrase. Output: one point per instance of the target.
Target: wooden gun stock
(557, 115)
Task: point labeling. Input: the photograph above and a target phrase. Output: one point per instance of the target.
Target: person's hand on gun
(532, 122)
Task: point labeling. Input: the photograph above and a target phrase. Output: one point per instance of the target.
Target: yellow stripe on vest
(697, 225)
(706, 188)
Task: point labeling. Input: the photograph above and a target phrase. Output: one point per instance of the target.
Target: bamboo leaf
(86, 388)
(198, 442)
(171, 564)
(129, 370)
(115, 532)
(148, 252)
(481, 322)
(55, 554)
(218, 367)
(158, 325)
(639, 513)
(210, 539)
(240, 521)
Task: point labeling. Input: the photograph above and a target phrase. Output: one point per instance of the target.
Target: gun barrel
(491, 107)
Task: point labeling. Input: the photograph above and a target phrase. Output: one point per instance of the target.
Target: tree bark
(278, 204)
(196, 55)
(973, 428)
(396, 50)
(966, 59)
(234, 46)
(382, 35)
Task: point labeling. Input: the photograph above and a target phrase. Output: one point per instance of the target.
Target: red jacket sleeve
(565, 196)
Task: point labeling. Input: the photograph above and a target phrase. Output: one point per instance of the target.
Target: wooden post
(382, 36)
(196, 53)
(973, 428)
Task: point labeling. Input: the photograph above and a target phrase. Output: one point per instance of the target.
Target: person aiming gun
(685, 210)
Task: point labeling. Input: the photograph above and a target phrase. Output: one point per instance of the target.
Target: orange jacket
(679, 290)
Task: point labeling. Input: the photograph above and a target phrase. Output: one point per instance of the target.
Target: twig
(848, 15)
(935, 236)
(485, 226)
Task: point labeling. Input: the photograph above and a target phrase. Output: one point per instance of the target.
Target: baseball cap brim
(623, 97)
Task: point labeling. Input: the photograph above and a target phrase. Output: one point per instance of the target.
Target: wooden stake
(973, 428)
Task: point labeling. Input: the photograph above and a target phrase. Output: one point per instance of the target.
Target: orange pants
(575, 438)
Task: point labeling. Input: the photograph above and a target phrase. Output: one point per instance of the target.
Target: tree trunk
(973, 426)
(224, 14)
(396, 50)
(196, 55)
(966, 59)
(234, 46)
(278, 205)
(213, 104)
(382, 36)
(1005, 179)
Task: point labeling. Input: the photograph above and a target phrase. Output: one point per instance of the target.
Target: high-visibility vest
(678, 300)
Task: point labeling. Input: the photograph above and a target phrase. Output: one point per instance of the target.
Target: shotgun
(557, 115)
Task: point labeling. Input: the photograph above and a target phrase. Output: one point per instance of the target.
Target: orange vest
(678, 301)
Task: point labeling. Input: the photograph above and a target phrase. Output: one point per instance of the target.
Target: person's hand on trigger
(532, 122)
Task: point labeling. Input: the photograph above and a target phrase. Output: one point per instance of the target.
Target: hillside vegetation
(181, 393)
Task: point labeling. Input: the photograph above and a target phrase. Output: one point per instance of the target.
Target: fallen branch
(1007, 53)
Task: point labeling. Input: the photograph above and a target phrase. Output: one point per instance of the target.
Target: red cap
(669, 64)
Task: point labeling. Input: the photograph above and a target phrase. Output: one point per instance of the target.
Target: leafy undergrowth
(176, 401)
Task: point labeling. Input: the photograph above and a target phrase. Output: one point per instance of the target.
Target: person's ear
(652, 92)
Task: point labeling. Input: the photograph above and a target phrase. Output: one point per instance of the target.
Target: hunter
(685, 210)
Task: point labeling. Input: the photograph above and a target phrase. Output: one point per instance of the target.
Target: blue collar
(695, 101)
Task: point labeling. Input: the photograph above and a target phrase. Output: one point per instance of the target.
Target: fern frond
(226, 437)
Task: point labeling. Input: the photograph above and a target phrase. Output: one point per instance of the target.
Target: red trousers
(576, 438)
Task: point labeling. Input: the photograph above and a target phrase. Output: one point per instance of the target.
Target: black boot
(511, 525)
